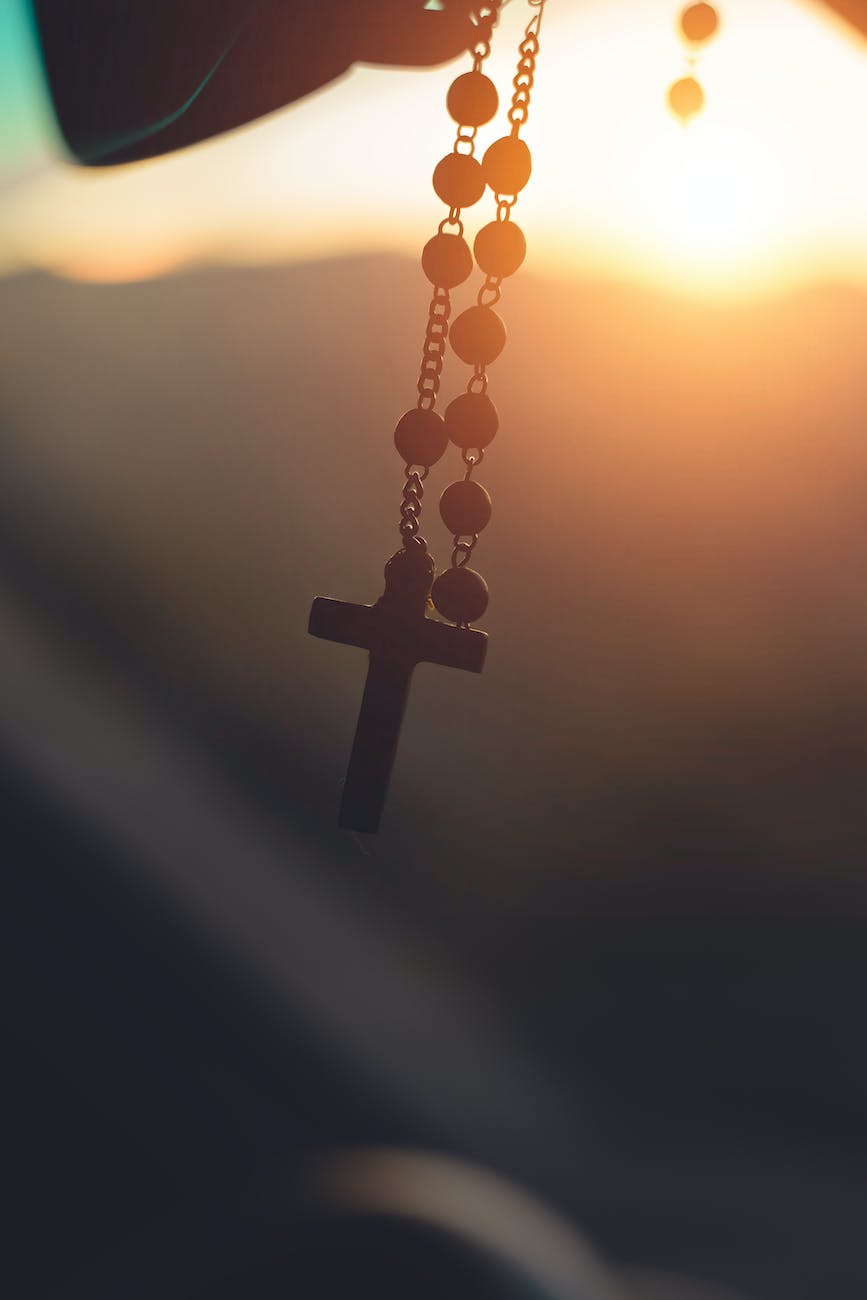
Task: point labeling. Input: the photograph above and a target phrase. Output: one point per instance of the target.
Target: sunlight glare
(707, 207)
(765, 189)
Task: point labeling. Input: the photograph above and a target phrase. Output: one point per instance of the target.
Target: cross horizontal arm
(336, 620)
(452, 647)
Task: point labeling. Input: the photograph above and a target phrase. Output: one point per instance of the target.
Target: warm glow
(707, 206)
(120, 266)
(766, 188)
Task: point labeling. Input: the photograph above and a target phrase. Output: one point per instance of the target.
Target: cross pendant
(398, 634)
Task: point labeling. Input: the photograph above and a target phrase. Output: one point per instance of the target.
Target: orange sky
(768, 187)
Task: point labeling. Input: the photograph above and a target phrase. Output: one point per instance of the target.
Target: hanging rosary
(398, 631)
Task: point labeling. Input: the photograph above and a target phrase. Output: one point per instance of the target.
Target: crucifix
(398, 631)
(398, 634)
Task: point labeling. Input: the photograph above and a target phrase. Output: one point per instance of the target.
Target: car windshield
(631, 822)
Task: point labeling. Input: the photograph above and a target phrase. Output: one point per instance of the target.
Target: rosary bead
(460, 595)
(685, 98)
(420, 437)
(478, 336)
(698, 23)
(500, 248)
(409, 572)
(472, 99)
(458, 180)
(447, 260)
(471, 421)
(507, 165)
(465, 507)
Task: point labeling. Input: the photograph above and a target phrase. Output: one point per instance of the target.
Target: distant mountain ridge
(677, 558)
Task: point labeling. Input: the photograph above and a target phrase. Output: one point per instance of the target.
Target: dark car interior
(587, 1018)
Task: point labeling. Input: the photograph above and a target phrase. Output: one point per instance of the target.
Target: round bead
(698, 23)
(471, 421)
(478, 336)
(507, 165)
(500, 248)
(421, 437)
(685, 98)
(465, 507)
(472, 99)
(447, 260)
(460, 595)
(409, 573)
(458, 180)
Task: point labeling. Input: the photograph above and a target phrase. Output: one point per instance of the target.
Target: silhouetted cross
(398, 635)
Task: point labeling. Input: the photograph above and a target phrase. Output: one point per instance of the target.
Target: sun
(709, 209)
(758, 191)
(765, 189)
(705, 205)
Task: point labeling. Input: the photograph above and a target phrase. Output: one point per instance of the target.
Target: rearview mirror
(143, 77)
(134, 78)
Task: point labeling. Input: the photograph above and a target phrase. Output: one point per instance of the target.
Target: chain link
(433, 349)
(478, 380)
(466, 135)
(485, 18)
(490, 292)
(528, 52)
(462, 554)
(410, 509)
(452, 223)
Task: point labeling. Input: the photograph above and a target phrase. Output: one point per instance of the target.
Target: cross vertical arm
(375, 743)
(398, 635)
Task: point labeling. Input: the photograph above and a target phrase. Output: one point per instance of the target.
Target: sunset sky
(768, 188)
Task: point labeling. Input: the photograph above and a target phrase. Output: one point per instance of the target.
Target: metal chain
(490, 292)
(528, 52)
(410, 508)
(433, 351)
(485, 18)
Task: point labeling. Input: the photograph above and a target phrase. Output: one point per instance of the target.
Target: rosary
(398, 630)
